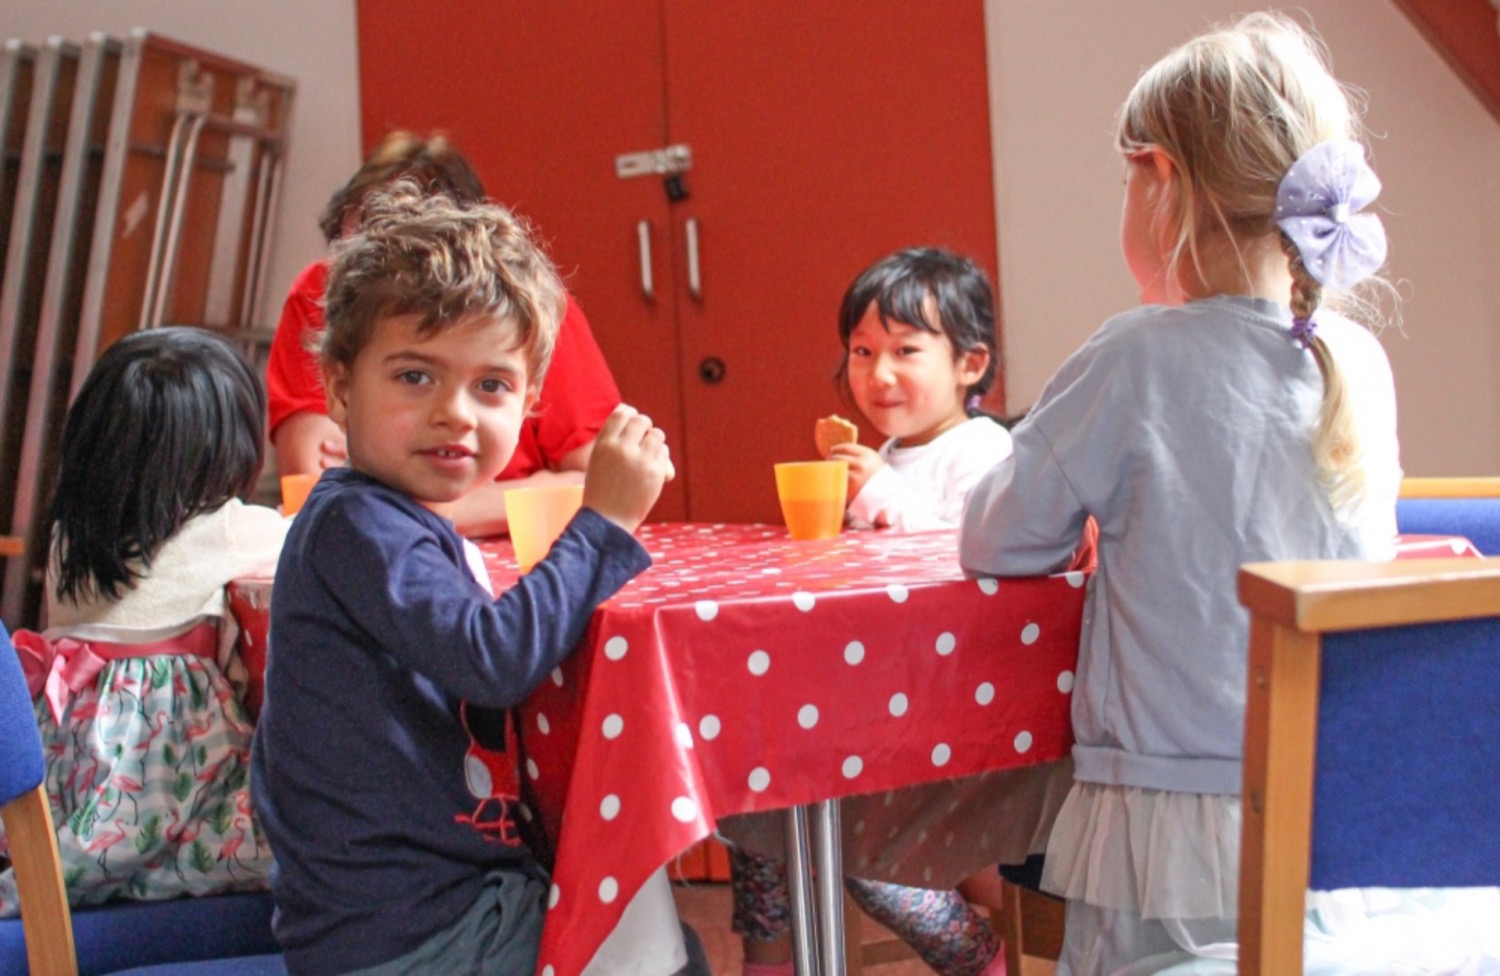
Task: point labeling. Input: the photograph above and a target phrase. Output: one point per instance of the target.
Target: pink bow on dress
(62, 668)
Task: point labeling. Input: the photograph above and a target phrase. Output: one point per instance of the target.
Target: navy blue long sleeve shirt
(379, 636)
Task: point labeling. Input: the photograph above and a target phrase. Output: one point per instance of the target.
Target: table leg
(828, 876)
(799, 882)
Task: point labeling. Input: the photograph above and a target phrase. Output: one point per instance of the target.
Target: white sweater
(924, 487)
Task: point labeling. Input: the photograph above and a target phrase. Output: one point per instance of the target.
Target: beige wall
(311, 42)
(1059, 71)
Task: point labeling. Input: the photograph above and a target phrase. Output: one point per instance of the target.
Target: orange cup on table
(294, 491)
(812, 497)
(537, 516)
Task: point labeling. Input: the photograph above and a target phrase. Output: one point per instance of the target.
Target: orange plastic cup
(812, 497)
(294, 491)
(537, 516)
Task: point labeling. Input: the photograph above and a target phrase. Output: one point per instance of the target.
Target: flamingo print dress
(147, 741)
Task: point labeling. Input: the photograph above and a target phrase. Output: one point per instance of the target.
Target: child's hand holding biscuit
(837, 439)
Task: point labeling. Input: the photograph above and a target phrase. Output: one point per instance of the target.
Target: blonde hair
(1233, 109)
(447, 262)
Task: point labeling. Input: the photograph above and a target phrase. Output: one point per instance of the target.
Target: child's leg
(499, 935)
(762, 912)
(941, 926)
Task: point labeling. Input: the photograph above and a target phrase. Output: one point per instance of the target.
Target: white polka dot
(987, 586)
(854, 652)
(609, 807)
(927, 873)
(708, 727)
(898, 704)
(684, 809)
(948, 839)
(945, 644)
(1023, 742)
(684, 735)
(897, 593)
(941, 754)
(859, 827)
(1459, 547)
(922, 836)
(890, 797)
(760, 778)
(557, 677)
(613, 726)
(985, 693)
(1030, 633)
(853, 766)
(706, 609)
(542, 725)
(759, 663)
(1065, 682)
(609, 890)
(553, 894)
(803, 601)
(1075, 579)
(548, 971)
(807, 716)
(615, 648)
(532, 770)
(526, 813)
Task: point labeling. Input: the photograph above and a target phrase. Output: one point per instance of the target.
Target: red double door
(823, 135)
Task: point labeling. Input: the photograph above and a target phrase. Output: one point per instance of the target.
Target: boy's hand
(627, 468)
(863, 463)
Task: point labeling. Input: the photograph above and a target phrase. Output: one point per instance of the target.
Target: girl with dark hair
(918, 329)
(147, 741)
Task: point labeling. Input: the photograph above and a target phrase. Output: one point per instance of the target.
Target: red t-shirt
(576, 396)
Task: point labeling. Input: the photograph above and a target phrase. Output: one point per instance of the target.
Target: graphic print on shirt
(491, 773)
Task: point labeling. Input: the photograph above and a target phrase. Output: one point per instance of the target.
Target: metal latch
(667, 161)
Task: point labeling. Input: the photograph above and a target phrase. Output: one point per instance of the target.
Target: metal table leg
(799, 882)
(828, 871)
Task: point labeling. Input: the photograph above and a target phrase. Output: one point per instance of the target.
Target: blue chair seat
(112, 936)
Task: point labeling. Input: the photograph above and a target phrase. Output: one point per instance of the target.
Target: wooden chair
(1338, 790)
(46, 919)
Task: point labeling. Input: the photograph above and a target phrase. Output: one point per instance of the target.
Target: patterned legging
(948, 934)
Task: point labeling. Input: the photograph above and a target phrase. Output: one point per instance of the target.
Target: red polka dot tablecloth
(748, 672)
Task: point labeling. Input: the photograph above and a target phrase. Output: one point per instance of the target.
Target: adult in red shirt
(577, 394)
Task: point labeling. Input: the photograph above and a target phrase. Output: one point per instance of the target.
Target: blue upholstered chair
(1469, 507)
(190, 934)
(1372, 737)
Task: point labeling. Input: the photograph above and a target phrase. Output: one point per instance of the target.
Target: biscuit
(832, 430)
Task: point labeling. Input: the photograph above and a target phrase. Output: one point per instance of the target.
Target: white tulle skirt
(1153, 853)
(1152, 879)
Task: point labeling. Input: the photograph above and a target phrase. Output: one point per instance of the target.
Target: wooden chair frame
(1450, 487)
(47, 921)
(1292, 605)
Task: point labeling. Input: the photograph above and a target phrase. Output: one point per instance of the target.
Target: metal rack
(141, 183)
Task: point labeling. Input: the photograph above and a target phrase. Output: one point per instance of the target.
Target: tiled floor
(706, 908)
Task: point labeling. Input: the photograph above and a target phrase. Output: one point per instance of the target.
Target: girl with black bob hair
(167, 426)
(137, 679)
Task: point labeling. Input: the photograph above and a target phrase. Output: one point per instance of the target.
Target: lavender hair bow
(1318, 206)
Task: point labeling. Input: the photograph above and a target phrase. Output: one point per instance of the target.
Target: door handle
(694, 275)
(643, 238)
